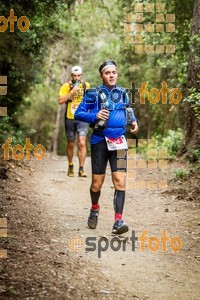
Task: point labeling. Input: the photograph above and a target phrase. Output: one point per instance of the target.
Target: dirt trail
(64, 206)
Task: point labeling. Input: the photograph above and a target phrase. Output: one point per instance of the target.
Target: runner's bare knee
(81, 143)
(119, 180)
(70, 144)
(97, 182)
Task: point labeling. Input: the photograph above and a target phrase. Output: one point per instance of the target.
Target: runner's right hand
(76, 88)
(103, 114)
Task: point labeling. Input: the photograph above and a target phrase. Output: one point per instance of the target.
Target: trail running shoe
(119, 227)
(93, 218)
(82, 174)
(70, 172)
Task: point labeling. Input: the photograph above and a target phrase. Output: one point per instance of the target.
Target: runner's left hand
(135, 127)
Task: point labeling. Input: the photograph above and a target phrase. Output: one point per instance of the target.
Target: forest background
(86, 32)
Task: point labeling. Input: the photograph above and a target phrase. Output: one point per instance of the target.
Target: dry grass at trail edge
(185, 182)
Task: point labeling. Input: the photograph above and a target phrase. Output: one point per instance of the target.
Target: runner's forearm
(63, 99)
(87, 117)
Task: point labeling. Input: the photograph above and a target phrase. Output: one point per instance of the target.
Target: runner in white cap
(72, 93)
(76, 70)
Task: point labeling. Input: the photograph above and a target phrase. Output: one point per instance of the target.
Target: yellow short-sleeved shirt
(75, 99)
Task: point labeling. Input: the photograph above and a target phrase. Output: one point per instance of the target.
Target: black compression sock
(118, 202)
(95, 196)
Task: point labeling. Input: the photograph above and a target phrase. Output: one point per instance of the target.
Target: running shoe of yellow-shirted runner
(81, 173)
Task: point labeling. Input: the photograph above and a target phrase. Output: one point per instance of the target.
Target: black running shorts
(73, 126)
(100, 155)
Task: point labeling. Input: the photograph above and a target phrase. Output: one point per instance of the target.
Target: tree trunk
(60, 112)
(191, 138)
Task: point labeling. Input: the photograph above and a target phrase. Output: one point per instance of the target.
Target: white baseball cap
(76, 70)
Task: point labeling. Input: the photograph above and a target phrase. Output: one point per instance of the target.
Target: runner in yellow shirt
(72, 93)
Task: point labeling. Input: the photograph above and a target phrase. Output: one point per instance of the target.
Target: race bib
(73, 108)
(116, 144)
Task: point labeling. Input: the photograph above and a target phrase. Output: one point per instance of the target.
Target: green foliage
(172, 141)
(66, 33)
(181, 174)
(194, 100)
(195, 44)
(7, 130)
(156, 68)
(22, 52)
(196, 155)
(42, 115)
